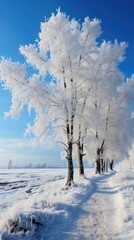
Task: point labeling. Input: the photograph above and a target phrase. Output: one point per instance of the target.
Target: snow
(95, 207)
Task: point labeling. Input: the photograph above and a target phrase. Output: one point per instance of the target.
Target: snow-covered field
(34, 204)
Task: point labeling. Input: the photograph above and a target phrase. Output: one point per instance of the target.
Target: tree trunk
(101, 165)
(101, 161)
(111, 165)
(97, 170)
(80, 159)
(70, 164)
(106, 165)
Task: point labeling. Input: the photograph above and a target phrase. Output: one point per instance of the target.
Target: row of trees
(80, 97)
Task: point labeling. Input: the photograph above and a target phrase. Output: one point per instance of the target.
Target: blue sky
(20, 25)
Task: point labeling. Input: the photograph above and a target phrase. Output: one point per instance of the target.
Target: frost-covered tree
(74, 90)
(108, 109)
(9, 164)
(88, 37)
(60, 57)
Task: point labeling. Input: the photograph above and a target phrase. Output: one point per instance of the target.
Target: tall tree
(75, 90)
(106, 105)
(60, 57)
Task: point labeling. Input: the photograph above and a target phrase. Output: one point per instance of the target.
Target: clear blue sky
(20, 25)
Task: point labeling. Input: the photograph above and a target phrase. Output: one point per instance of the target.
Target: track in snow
(98, 217)
(101, 219)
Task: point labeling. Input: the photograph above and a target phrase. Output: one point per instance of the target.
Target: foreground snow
(36, 205)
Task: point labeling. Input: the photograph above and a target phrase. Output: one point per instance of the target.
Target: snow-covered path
(95, 208)
(100, 219)
(98, 215)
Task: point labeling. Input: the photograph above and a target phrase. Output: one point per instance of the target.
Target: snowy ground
(34, 204)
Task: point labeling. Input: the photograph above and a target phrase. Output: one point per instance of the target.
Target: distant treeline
(32, 165)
